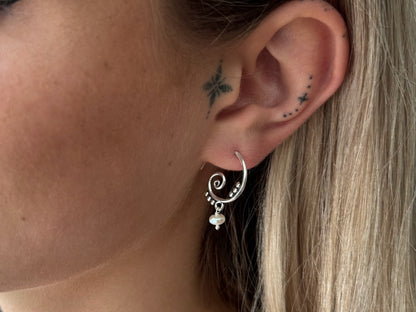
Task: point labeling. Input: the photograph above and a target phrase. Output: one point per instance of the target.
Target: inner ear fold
(265, 87)
(293, 68)
(308, 47)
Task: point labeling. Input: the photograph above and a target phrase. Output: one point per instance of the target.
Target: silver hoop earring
(217, 219)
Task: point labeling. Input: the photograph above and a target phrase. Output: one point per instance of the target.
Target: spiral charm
(218, 180)
(218, 185)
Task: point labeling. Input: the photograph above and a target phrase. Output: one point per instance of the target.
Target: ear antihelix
(301, 101)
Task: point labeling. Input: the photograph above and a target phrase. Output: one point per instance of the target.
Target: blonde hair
(332, 214)
(338, 225)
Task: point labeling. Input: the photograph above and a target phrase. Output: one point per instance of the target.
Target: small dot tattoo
(301, 99)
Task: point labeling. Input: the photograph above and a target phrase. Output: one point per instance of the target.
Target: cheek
(77, 131)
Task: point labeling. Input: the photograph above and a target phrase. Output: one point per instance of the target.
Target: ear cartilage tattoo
(301, 99)
(215, 87)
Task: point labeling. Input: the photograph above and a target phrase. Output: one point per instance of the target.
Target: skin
(102, 203)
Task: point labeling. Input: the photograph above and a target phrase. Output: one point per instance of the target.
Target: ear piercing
(218, 218)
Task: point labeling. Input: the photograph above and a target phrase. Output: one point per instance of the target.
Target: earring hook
(218, 202)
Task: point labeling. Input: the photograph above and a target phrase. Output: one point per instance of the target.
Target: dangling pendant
(217, 219)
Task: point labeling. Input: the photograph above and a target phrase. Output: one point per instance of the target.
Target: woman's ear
(274, 80)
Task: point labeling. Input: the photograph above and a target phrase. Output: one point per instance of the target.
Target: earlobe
(291, 64)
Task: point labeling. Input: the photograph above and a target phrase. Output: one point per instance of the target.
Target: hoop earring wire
(217, 219)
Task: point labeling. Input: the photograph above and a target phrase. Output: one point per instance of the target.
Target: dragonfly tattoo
(215, 87)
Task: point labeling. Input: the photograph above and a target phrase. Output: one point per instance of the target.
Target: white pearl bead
(217, 219)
